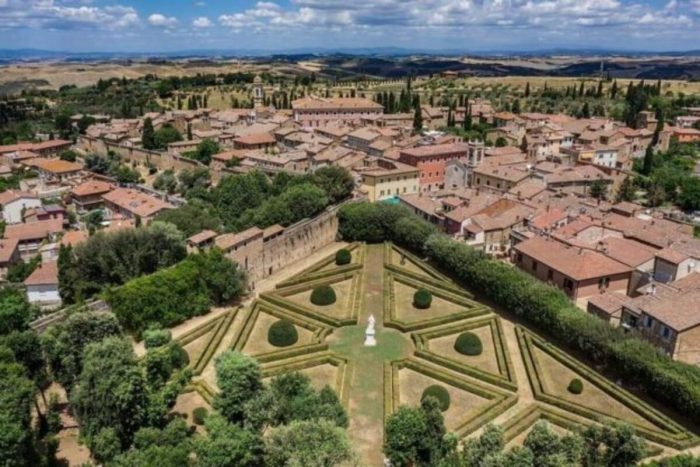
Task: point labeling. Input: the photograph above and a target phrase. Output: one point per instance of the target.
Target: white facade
(606, 157)
(12, 211)
(44, 294)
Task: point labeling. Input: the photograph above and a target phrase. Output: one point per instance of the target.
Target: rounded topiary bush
(323, 295)
(439, 393)
(282, 334)
(468, 343)
(422, 299)
(199, 414)
(343, 257)
(575, 386)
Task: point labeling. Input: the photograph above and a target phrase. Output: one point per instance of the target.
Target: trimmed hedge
(575, 386)
(439, 393)
(541, 305)
(199, 414)
(170, 296)
(323, 295)
(422, 299)
(282, 333)
(343, 257)
(468, 343)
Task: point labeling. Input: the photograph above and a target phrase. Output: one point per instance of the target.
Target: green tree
(64, 343)
(613, 446)
(648, 160)
(191, 218)
(165, 135)
(166, 181)
(17, 392)
(205, 150)
(148, 135)
(415, 436)
(689, 197)
(110, 391)
(417, 118)
(228, 445)
(336, 181)
(598, 189)
(15, 311)
(240, 382)
(307, 443)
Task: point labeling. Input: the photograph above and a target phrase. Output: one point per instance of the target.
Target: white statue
(370, 341)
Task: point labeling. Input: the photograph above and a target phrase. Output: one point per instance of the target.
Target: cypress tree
(417, 117)
(148, 136)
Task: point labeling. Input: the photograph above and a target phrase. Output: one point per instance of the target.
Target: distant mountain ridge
(28, 54)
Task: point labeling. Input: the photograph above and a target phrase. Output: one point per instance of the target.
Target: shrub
(323, 295)
(343, 257)
(422, 299)
(468, 343)
(282, 334)
(575, 386)
(439, 393)
(153, 338)
(199, 414)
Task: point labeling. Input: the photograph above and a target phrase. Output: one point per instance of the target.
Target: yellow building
(386, 178)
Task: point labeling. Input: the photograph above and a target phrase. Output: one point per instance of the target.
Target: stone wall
(161, 160)
(300, 240)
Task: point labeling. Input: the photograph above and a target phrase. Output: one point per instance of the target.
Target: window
(520, 258)
(648, 321)
(568, 284)
(665, 332)
(603, 282)
(534, 265)
(550, 275)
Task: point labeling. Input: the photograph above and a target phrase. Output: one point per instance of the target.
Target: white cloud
(57, 14)
(202, 22)
(157, 19)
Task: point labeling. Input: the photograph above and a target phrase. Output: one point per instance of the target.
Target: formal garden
(433, 338)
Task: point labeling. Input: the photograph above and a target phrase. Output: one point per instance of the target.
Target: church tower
(258, 92)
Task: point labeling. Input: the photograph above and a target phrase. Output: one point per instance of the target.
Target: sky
(284, 25)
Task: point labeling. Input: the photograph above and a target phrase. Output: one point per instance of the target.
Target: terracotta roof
(8, 246)
(136, 202)
(628, 251)
(34, 230)
(313, 102)
(256, 138)
(610, 303)
(202, 237)
(678, 311)
(91, 187)
(44, 274)
(272, 230)
(56, 166)
(73, 237)
(436, 150)
(56, 143)
(13, 195)
(230, 240)
(576, 263)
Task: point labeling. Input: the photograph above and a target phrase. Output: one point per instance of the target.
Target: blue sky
(469, 25)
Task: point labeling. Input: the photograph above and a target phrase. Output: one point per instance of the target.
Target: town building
(384, 178)
(317, 111)
(431, 162)
(14, 203)
(581, 273)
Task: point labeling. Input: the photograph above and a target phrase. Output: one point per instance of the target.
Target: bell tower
(258, 92)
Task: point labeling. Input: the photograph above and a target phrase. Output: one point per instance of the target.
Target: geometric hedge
(505, 377)
(498, 400)
(657, 427)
